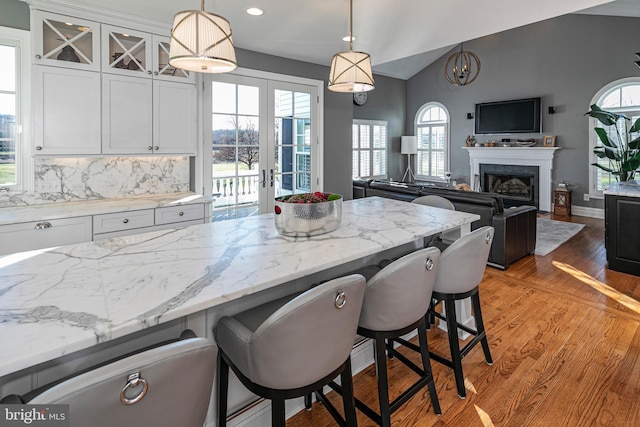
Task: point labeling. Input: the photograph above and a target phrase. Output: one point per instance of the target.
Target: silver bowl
(307, 219)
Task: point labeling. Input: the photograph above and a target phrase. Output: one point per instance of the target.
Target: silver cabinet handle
(149, 72)
(271, 176)
(150, 148)
(156, 148)
(180, 213)
(125, 220)
(38, 147)
(264, 178)
(38, 56)
(43, 225)
(155, 73)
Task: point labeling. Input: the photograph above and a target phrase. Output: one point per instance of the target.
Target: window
(13, 73)
(369, 143)
(432, 135)
(621, 96)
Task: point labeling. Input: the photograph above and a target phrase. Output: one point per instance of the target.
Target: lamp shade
(201, 42)
(408, 145)
(351, 72)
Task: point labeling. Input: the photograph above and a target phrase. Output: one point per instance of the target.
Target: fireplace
(518, 185)
(539, 157)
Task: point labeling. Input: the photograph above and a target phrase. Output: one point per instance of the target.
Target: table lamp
(408, 146)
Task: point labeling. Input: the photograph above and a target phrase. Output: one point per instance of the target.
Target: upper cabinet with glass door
(65, 41)
(161, 68)
(126, 52)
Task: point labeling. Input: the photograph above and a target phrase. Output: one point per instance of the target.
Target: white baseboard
(588, 212)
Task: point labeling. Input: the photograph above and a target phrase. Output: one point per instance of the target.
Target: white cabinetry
(108, 90)
(66, 111)
(65, 41)
(147, 107)
(28, 236)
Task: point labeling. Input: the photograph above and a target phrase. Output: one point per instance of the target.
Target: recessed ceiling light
(347, 38)
(254, 11)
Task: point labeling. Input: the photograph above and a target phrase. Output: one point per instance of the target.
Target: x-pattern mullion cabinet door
(64, 41)
(162, 70)
(126, 52)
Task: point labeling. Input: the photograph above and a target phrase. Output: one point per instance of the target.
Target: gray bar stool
(461, 269)
(293, 346)
(168, 385)
(395, 303)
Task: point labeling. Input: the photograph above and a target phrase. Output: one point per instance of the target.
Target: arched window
(621, 96)
(432, 135)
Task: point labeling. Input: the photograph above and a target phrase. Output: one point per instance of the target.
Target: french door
(263, 143)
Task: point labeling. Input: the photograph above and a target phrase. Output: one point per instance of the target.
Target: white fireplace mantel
(525, 156)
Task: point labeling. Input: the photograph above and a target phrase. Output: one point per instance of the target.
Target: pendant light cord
(350, 24)
(202, 5)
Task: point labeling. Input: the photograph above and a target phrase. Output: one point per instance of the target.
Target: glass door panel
(235, 150)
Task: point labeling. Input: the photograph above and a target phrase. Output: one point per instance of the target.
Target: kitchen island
(61, 300)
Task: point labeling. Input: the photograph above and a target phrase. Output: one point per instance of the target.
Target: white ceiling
(402, 36)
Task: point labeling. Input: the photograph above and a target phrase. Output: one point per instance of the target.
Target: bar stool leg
(348, 399)
(277, 412)
(307, 402)
(223, 390)
(454, 345)
(477, 312)
(383, 383)
(426, 366)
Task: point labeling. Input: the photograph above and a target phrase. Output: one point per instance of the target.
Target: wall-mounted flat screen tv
(515, 116)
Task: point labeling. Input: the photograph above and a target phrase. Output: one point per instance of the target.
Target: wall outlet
(585, 197)
(52, 186)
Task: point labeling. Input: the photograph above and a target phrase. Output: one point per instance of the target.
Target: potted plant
(622, 151)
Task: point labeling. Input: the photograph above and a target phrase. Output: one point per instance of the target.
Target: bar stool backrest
(463, 263)
(399, 294)
(179, 381)
(308, 337)
(435, 201)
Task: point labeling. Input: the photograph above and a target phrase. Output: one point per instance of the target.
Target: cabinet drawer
(119, 221)
(181, 213)
(28, 236)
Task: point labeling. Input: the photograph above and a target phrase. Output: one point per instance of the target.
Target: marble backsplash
(74, 179)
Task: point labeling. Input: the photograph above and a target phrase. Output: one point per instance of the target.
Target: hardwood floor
(564, 333)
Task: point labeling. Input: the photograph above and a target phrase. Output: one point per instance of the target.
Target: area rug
(551, 234)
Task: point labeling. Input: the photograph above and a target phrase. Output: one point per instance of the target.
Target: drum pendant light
(351, 70)
(201, 42)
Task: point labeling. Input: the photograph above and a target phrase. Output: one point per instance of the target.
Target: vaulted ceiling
(402, 36)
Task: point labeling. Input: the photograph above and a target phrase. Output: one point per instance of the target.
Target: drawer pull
(43, 225)
(180, 213)
(125, 220)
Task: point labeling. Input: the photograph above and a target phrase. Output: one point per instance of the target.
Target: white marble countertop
(49, 211)
(57, 301)
(623, 189)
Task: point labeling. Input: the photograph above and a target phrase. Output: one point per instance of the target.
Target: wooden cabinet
(65, 41)
(48, 233)
(622, 233)
(66, 111)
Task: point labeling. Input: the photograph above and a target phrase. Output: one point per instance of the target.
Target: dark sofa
(515, 228)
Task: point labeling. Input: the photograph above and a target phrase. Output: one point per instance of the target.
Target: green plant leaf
(636, 126)
(632, 164)
(598, 165)
(607, 153)
(635, 144)
(602, 135)
(605, 117)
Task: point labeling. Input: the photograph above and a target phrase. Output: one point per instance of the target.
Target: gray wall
(565, 60)
(388, 102)
(14, 14)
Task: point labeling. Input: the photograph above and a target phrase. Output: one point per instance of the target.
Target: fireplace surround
(542, 157)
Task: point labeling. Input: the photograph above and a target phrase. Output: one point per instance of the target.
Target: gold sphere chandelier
(462, 67)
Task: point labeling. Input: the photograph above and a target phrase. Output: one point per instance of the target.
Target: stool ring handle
(428, 264)
(134, 380)
(341, 299)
